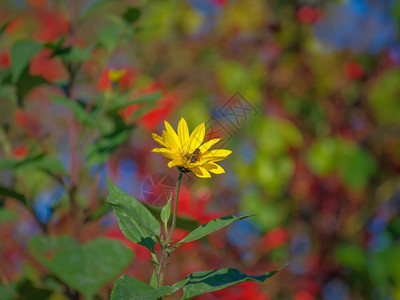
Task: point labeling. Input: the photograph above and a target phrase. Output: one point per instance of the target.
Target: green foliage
(354, 165)
(351, 255)
(208, 228)
(166, 213)
(100, 149)
(21, 53)
(383, 98)
(78, 110)
(135, 221)
(130, 288)
(7, 215)
(209, 281)
(42, 162)
(4, 191)
(131, 15)
(86, 267)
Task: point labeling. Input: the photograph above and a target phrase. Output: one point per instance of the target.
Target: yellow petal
(166, 152)
(173, 163)
(201, 172)
(158, 139)
(214, 168)
(183, 134)
(215, 155)
(203, 148)
(197, 137)
(169, 141)
(173, 135)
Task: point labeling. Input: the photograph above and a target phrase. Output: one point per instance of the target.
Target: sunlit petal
(207, 145)
(173, 134)
(183, 134)
(201, 172)
(197, 137)
(214, 168)
(158, 139)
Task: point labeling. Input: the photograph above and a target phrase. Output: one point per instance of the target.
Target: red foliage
(51, 26)
(354, 70)
(307, 14)
(276, 237)
(49, 68)
(20, 151)
(5, 60)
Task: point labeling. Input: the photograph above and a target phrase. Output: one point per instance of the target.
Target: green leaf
(208, 228)
(4, 27)
(74, 54)
(8, 215)
(322, 156)
(7, 292)
(45, 163)
(99, 151)
(181, 222)
(123, 100)
(21, 53)
(131, 15)
(85, 268)
(93, 6)
(78, 110)
(26, 290)
(166, 212)
(27, 82)
(13, 194)
(214, 280)
(352, 256)
(132, 289)
(355, 165)
(111, 34)
(135, 221)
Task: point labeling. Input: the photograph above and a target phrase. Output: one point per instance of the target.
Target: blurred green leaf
(4, 27)
(322, 156)
(214, 280)
(208, 228)
(352, 256)
(75, 54)
(28, 290)
(111, 34)
(383, 98)
(355, 165)
(27, 82)
(7, 292)
(131, 15)
(135, 221)
(41, 161)
(99, 151)
(123, 100)
(78, 110)
(85, 268)
(130, 288)
(13, 194)
(7, 215)
(92, 6)
(21, 53)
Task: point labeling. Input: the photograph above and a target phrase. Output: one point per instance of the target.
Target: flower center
(194, 157)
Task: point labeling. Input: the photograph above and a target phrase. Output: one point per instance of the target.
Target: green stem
(178, 185)
(166, 249)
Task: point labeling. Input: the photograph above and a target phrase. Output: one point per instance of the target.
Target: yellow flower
(187, 152)
(115, 75)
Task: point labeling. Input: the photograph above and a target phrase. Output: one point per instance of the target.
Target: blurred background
(305, 93)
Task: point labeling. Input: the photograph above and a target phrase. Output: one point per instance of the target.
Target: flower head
(187, 152)
(115, 75)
